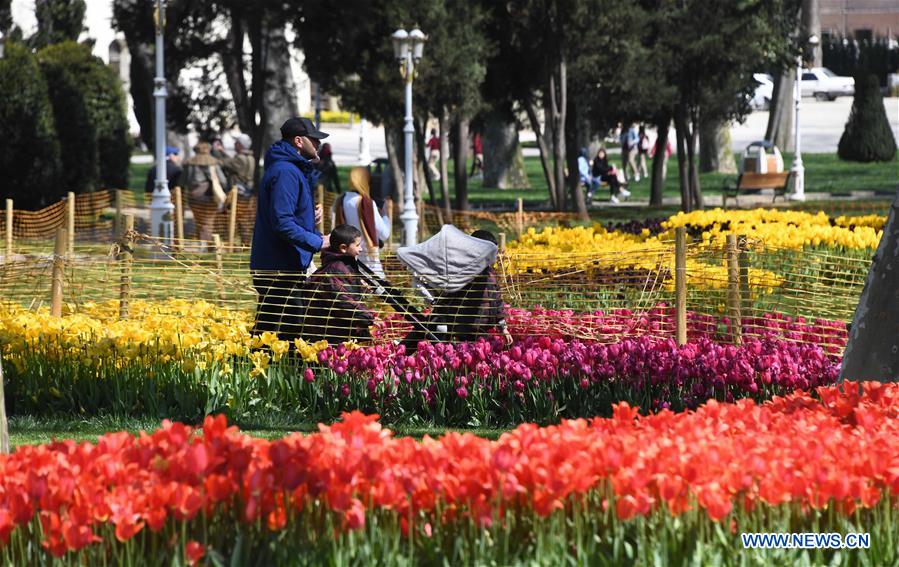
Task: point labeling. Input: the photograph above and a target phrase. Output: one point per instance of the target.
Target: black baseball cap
(299, 126)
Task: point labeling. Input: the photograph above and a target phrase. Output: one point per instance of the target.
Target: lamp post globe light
(797, 169)
(408, 48)
(161, 206)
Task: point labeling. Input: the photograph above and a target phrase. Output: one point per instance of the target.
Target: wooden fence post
(4, 425)
(502, 242)
(422, 229)
(320, 199)
(9, 219)
(179, 218)
(219, 268)
(680, 284)
(232, 219)
(519, 218)
(70, 222)
(59, 263)
(126, 259)
(117, 224)
(745, 292)
(733, 288)
(390, 213)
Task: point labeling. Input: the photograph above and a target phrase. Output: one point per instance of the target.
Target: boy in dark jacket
(336, 311)
(471, 312)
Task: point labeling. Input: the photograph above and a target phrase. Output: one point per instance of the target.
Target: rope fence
(679, 289)
(95, 217)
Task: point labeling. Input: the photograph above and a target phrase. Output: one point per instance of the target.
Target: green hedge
(30, 160)
(868, 136)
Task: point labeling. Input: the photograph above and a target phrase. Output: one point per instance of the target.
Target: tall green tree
(622, 79)
(348, 51)
(5, 16)
(868, 136)
(58, 21)
(30, 156)
(72, 122)
(189, 36)
(529, 70)
(90, 110)
(711, 66)
(575, 67)
(251, 87)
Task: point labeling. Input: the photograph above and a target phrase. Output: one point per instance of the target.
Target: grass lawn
(26, 430)
(137, 179)
(823, 173)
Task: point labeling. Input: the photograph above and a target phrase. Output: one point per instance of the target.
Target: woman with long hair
(606, 172)
(357, 208)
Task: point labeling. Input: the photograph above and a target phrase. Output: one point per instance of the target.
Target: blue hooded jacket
(285, 238)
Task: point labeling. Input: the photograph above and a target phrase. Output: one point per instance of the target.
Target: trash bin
(762, 157)
(381, 181)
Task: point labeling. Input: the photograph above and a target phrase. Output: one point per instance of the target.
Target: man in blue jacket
(285, 238)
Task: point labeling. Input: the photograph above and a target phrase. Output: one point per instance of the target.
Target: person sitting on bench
(606, 172)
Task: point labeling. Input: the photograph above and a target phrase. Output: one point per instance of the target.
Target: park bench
(753, 182)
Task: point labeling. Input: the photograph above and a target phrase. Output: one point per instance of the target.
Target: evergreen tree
(868, 136)
(30, 157)
(58, 21)
(72, 122)
(89, 93)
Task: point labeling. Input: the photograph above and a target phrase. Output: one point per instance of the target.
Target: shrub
(71, 118)
(104, 100)
(868, 136)
(30, 157)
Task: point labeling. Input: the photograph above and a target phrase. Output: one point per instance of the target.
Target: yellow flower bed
(781, 228)
(876, 222)
(558, 249)
(193, 333)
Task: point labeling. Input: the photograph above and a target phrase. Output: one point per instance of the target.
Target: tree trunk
(422, 181)
(503, 160)
(279, 98)
(423, 172)
(543, 146)
(715, 152)
(394, 155)
(811, 25)
(444, 161)
(141, 75)
(573, 132)
(692, 135)
(781, 113)
(558, 100)
(460, 163)
(680, 124)
(658, 163)
(233, 64)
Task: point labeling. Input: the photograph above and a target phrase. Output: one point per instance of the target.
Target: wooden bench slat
(753, 181)
(763, 180)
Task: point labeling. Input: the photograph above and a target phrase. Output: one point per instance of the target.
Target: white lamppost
(161, 206)
(798, 170)
(364, 147)
(408, 48)
(2, 44)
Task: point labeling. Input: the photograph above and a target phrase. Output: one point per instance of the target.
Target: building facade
(860, 19)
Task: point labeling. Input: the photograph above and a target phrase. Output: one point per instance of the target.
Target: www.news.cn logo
(805, 541)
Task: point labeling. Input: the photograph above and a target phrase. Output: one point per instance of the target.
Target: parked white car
(764, 91)
(824, 84)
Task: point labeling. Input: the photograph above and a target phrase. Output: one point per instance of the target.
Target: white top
(371, 258)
